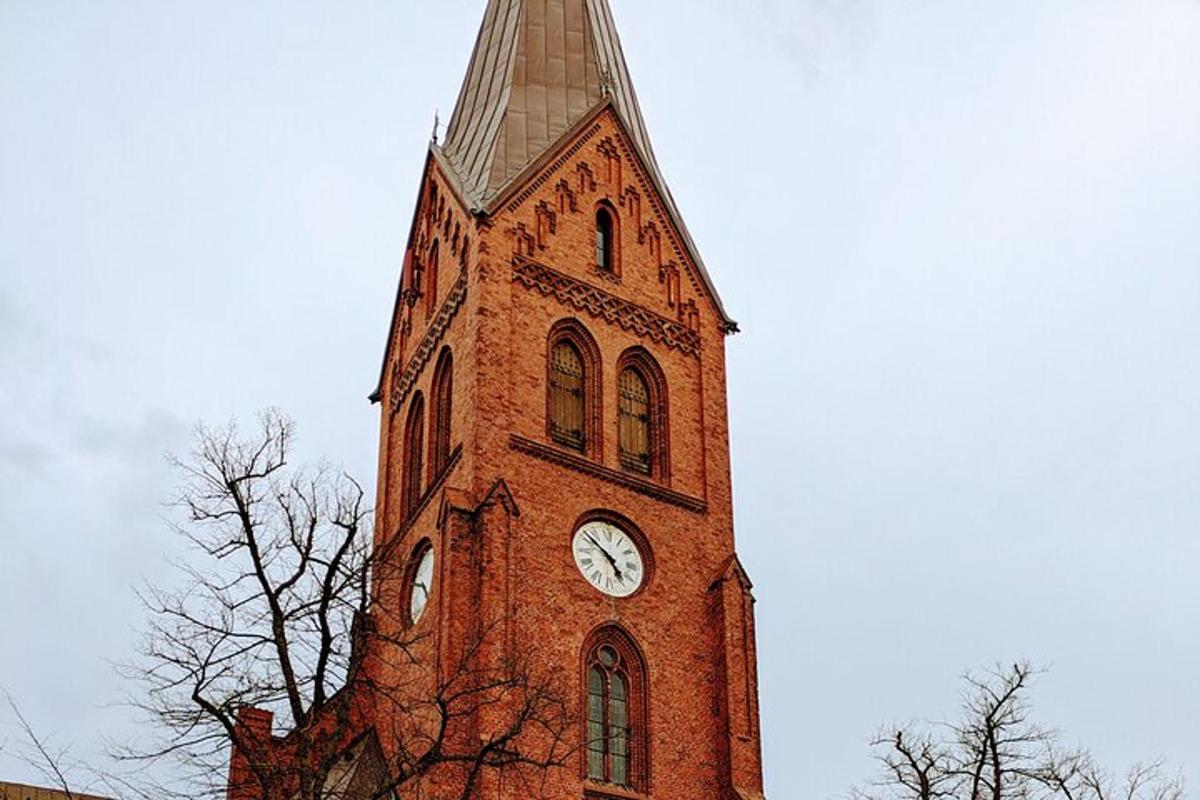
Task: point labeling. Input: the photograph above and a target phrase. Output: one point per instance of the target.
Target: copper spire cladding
(539, 68)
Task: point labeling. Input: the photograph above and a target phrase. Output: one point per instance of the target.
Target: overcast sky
(962, 237)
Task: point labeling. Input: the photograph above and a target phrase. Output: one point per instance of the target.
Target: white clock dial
(421, 586)
(609, 559)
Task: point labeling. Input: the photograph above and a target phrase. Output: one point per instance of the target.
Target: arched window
(605, 240)
(636, 428)
(573, 393)
(642, 425)
(568, 415)
(414, 460)
(616, 750)
(441, 400)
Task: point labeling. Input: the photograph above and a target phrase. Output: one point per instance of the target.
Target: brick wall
(529, 266)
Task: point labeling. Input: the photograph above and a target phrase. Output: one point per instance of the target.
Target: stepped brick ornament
(558, 337)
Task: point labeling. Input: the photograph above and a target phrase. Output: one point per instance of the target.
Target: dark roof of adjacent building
(21, 791)
(539, 68)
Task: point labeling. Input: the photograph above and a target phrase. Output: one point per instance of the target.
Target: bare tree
(996, 751)
(278, 615)
(52, 762)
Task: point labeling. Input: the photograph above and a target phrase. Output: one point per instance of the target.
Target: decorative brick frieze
(403, 381)
(582, 296)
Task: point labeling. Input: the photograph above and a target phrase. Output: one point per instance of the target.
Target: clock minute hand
(611, 560)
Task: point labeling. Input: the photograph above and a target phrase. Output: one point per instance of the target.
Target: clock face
(609, 559)
(421, 586)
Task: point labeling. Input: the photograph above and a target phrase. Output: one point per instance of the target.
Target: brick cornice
(571, 461)
(582, 296)
(431, 490)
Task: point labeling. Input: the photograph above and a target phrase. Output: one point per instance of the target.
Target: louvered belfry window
(635, 426)
(567, 416)
(608, 719)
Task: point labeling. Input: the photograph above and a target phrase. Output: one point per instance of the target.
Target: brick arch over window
(573, 388)
(414, 457)
(616, 706)
(441, 408)
(608, 239)
(643, 415)
(441, 402)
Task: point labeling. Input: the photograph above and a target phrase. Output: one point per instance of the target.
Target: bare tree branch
(276, 617)
(48, 763)
(996, 751)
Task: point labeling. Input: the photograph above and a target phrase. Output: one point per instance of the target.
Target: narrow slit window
(431, 279)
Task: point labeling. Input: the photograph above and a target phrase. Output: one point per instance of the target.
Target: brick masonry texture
(502, 518)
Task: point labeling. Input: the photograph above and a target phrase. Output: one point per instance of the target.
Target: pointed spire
(539, 67)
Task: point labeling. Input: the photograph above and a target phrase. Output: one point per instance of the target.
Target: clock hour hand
(611, 560)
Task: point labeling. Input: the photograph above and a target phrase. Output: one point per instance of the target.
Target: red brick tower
(554, 458)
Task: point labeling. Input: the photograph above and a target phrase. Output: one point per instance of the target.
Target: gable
(540, 70)
(441, 224)
(597, 160)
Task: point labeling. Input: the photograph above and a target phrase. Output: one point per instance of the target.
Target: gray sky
(962, 237)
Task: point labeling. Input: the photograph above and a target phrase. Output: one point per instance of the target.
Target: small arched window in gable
(605, 240)
(442, 403)
(414, 458)
(568, 402)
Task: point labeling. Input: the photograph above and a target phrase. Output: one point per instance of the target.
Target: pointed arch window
(636, 427)
(414, 458)
(441, 405)
(568, 419)
(616, 751)
(642, 418)
(573, 392)
(605, 240)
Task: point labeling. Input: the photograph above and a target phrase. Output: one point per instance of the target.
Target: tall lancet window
(439, 428)
(414, 456)
(636, 426)
(616, 702)
(567, 401)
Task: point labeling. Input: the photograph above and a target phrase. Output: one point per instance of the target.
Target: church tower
(554, 449)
